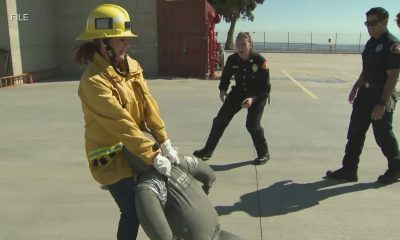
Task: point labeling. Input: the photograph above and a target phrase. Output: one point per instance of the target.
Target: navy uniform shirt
(251, 76)
(379, 56)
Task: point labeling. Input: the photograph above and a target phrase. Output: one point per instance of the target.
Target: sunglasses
(372, 23)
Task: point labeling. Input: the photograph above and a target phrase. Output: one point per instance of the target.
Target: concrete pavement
(47, 191)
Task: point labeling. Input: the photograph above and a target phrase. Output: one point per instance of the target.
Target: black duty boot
(389, 177)
(342, 174)
(203, 154)
(261, 160)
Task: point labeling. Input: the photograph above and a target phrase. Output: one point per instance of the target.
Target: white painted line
(312, 95)
(350, 75)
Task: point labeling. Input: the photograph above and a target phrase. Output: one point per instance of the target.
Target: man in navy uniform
(251, 91)
(373, 101)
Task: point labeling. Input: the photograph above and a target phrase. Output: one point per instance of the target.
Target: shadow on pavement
(226, 167)
(286, 197)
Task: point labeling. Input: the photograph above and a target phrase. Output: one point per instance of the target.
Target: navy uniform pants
(230, 107)
(360, 121)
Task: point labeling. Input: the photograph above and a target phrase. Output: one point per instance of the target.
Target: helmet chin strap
(112, 56)
(117, 69)
(110, 52)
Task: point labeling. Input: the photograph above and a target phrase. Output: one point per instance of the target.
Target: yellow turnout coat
(117, 109)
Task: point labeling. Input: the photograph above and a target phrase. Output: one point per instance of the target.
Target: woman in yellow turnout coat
(117, 109)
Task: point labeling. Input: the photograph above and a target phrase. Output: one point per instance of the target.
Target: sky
(322, 18)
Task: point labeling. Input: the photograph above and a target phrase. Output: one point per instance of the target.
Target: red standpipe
(213, 18)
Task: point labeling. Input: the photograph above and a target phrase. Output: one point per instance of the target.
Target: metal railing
(15, 80)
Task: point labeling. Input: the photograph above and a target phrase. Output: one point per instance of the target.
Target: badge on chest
(254, 67)
(379, 48)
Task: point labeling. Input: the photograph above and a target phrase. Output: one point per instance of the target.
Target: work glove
(162, 165)
(169, 151)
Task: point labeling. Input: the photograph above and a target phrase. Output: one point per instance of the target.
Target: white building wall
(10, 34)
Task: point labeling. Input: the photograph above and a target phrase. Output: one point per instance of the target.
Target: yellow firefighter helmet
(107, 21)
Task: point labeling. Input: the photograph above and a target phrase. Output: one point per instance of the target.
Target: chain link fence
(265, 41)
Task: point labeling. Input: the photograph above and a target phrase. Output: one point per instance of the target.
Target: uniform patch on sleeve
(265, 65)
(395, 48)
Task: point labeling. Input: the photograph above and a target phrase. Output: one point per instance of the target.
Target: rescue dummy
(177, 207)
